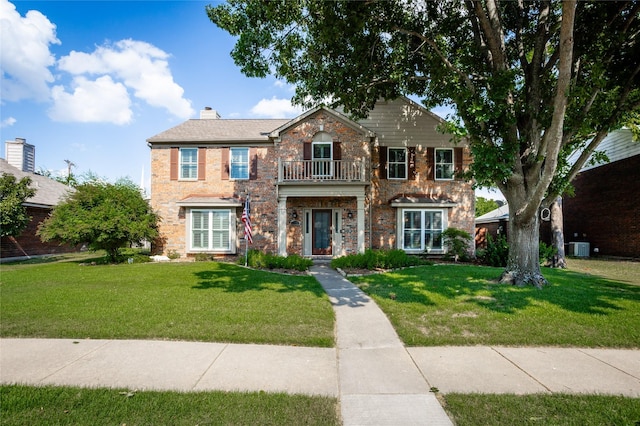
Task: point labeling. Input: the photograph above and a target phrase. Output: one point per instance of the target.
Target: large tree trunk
(557, 233)
(523, 266)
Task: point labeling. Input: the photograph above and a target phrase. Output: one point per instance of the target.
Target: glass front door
(321, 237)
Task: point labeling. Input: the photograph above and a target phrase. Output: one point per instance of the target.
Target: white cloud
(99, 101)
(8, 122)
(25, 57)
(140, 66)
(276, 108)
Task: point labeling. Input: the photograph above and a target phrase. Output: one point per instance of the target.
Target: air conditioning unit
(579, 249)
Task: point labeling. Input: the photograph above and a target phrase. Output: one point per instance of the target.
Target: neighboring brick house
(320, 184)
(605, 211)
(20, 163)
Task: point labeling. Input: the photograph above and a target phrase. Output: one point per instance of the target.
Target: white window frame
(322, 166)
(192, 165)
(424, 247)
(231, 231)
(440, 170)
(240, 163)
(405, 162)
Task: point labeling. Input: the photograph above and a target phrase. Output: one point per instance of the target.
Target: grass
(557, 409)
(622, 271)
(25, 405)
(464, 305)
(197, 301)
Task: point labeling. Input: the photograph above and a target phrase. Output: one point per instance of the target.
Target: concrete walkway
(377, 380)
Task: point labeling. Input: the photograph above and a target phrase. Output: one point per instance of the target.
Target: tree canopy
(530, 82)
(485, 205)
(13, 213)
(104, 215)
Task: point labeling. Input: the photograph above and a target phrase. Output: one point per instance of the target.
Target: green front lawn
(541, 410)
(199, 301)
(464, 305)
(49, 405)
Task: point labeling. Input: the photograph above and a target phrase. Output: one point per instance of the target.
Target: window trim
(181, 164)
(436, 164)
(231, 163)
(406, 163)
(231, 247)
(423, 248)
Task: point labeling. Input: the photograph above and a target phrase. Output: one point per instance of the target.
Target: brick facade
(605, 210)
(363, 209)
(28, 243)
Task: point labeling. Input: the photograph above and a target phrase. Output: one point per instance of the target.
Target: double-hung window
(239, 163)
(444, 164)
(188, 163)
(422, 230)
(397, 163)
(211, 230)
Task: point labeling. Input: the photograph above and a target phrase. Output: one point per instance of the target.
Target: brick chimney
(209, 114)
(20, 154)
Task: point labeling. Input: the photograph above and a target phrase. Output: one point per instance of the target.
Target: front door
(321, 234)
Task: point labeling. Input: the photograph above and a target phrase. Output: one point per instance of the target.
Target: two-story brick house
(320, 184)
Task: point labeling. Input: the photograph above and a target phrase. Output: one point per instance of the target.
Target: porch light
(294, 214)
(349, 214)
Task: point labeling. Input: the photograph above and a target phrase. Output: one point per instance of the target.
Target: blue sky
(90, 81)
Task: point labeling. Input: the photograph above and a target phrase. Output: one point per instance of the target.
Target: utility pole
(69, 166)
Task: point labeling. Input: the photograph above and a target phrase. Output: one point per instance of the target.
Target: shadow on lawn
(233, 279)
(568, 290)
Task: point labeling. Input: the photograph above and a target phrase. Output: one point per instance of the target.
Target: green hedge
(378, 259)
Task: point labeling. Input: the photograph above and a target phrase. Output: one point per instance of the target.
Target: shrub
(261, 260)
(497, 252)
(547, 252)
(377, 259)
(173, 255)
(457, 243)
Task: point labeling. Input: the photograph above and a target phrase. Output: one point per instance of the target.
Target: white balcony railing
(321, 170)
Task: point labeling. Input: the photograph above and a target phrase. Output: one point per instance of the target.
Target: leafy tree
(104, 215)
(13, 213)
(530, 81)
(484, 205)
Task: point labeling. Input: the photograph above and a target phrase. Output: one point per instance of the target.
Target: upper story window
(321, 154)
(444, 164)
(188, 163)
(397, 163)
(239, 163)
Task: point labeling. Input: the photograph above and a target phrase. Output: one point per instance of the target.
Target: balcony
(303, 171)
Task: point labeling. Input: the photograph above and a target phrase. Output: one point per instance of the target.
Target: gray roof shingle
(48, 191)
(219, 130)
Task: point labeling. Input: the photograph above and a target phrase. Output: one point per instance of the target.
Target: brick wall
(384, 222)
(165, 193)
(354, 146)
(605, 210)
(28, 243)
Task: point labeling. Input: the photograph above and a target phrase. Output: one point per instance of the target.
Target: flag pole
(246, 240)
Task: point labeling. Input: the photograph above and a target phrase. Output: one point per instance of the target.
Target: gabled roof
(617, 145)
(48, 191)
(501, 213)
(219, 130)
(342, 118)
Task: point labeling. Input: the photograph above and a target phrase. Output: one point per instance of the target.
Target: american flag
(246, 218)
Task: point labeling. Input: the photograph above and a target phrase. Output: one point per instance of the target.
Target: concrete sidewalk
(194, 366)
(376, 379)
